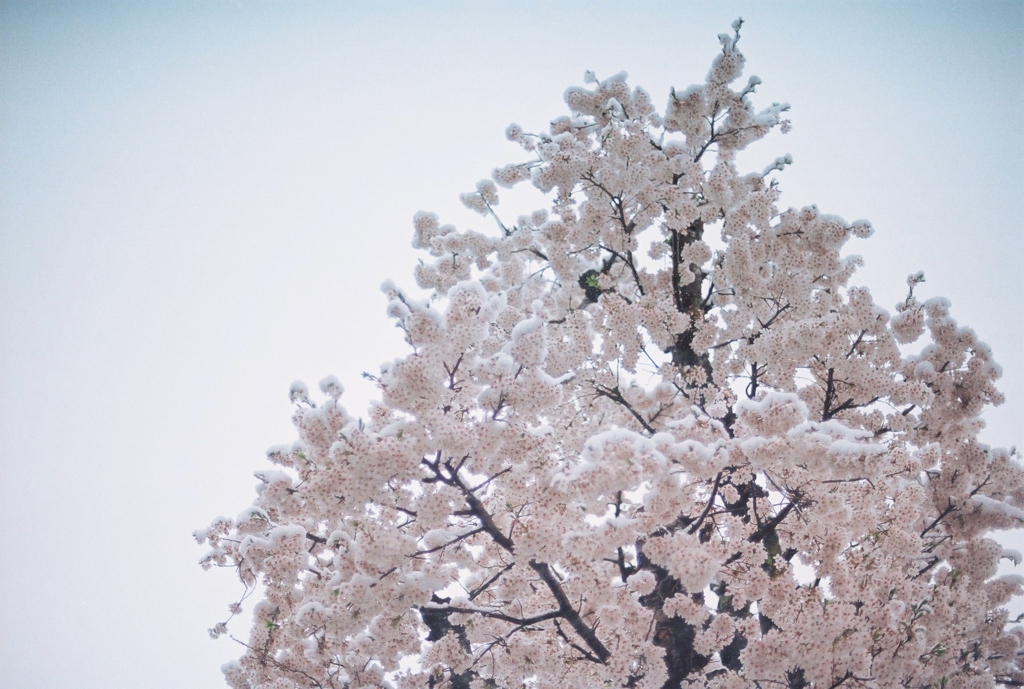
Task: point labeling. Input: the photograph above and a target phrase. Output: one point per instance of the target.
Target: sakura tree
(649, 437)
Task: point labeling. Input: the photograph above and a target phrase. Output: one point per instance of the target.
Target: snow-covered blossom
(652, 435)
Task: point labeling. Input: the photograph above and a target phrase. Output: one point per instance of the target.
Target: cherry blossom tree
(649, 437)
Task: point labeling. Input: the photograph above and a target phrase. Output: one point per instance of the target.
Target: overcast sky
(198, 203)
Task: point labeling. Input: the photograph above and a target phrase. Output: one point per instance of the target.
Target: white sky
(198, 203)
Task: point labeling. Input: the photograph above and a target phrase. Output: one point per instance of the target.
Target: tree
(623, 454)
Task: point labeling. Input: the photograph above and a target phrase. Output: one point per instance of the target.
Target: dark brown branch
(486, 520)
(616, 396)
(476, 508)
(499, 406)
(769, 526)
(625, 571)
(569, 613)
(488, 525)
(616, 202)
(451, 373)
(484, 586)
(478, 487)
(779, 310)
(483, 612)
(628, 260)
(707, 508)
(751, 389)
(831, 390)
(850, 404)
(687, 297)
(458, 539)
(587, 655)
(950, 508)
(711, 139)
(264, 658)
(856, 343)
(676, 295)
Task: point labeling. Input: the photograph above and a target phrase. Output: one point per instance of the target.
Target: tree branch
(707, 508)
(569, 613)
(616, 396)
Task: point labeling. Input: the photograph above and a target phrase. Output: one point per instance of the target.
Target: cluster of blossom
(618, 457)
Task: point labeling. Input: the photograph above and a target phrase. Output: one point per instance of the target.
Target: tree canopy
(650, 436)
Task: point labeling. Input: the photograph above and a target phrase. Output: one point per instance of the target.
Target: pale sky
(199, 201)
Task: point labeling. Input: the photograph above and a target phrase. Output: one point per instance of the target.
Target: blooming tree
(624, 454)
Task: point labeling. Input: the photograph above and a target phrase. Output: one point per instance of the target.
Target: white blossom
(615, 456)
